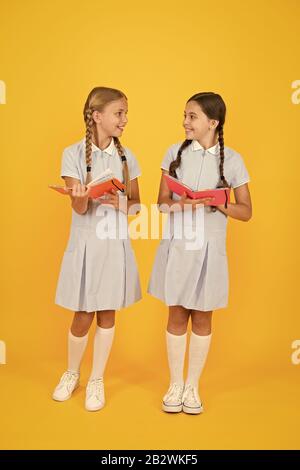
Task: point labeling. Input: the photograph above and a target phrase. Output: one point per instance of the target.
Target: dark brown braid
(223, 183)
(176, 163)
(124, 166)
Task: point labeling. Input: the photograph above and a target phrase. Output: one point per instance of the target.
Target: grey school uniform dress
(197, 279)
(97, 274)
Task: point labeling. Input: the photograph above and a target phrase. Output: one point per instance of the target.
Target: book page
(104, 176)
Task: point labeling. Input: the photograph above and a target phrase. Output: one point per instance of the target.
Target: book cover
(221, 195)
(103, 183)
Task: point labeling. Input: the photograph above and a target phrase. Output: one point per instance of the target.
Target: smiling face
(196, 124)
(113, 119)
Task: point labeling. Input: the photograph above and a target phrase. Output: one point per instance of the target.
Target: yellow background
(160, 53)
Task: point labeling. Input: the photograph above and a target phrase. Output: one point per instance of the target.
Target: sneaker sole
(172, 409)
(192, 411)
(95, 409)
(67, 398)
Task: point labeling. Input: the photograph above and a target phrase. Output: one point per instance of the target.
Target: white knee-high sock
(198, 350)
(176, 345)
(102, 345)
(76, 348)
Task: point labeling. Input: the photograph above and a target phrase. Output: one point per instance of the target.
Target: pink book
(221, 195)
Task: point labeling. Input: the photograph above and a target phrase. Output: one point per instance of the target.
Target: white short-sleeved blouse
(74, 163)
(199, 168)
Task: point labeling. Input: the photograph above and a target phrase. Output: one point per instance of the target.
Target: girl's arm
(167, 204)
(79, 196)
(242, 209)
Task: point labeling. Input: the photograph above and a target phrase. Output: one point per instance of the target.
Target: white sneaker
(191, 400)
(95, 399)
(67, 384)
(172, 401)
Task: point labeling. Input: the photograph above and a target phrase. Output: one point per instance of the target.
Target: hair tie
(123, 158)
(88, 168)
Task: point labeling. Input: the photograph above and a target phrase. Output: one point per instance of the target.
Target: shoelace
(190, 395)
(95, 387)
(174, 393)
(68, 379)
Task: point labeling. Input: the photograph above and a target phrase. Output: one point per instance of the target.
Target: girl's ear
(214, 124)
(96, 116)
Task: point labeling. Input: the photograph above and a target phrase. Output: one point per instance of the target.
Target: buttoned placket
(104, 157)
(201, 168)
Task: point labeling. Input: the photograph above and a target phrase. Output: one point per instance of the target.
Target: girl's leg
(102, 342)
(176, 341)
(198, 350)
(176, 346)
(95, 397)
(199, 345)
(77, 341)
(78, 338)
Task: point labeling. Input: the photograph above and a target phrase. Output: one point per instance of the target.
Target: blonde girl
(98, 274)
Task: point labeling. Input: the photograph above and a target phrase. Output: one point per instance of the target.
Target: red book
(104, 183)
(221, 195)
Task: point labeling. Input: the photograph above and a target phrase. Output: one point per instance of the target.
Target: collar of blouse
(213, 150)
(109, 149)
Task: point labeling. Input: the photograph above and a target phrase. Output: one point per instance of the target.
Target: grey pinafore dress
(97, 273)
(197, 279)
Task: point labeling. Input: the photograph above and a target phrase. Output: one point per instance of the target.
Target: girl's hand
(111, 199)
(80, 198)
(80, 192)
(193, 202)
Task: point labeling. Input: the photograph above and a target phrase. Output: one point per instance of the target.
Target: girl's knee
(106, 318)
(177, 324)
(201, 322)
(106, 323)
(80, 330)
(81, 323)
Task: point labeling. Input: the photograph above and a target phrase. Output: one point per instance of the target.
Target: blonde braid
(125, 166)
(88, 143)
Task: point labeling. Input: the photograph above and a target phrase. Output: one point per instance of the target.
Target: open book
(221, 195)
(103, 183)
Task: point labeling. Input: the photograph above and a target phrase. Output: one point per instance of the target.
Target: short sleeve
(239, 172)
(68, 165)
(168, 158)
(133, 166)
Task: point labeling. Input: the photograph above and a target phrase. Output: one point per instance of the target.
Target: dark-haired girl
(98, 274)
(193, 283)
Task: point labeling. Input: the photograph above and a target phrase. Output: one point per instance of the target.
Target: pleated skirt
(195, 279)
(96, 274)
